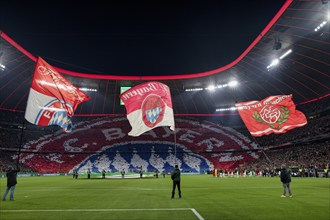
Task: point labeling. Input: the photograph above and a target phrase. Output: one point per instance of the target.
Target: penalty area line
(103, 210)
(197, 214)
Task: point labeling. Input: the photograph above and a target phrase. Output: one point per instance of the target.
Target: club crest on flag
(148, 105)
(153, 109)
(274, 114)
(53, 113)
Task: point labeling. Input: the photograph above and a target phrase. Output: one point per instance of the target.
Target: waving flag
(52, 99)
(148, 105)
(275, 114)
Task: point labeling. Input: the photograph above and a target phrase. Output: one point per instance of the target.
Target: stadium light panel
(88, 89)
(2, 67)
(194, 89)
(232, 83)
(211, 87)
(285, 54)
(273, 63)
(277, 60)
(226, 109)
(320, 26)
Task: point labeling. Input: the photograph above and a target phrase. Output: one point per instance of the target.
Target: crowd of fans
(307, 155)
(303, 159)
(306, 148)
(6, 160)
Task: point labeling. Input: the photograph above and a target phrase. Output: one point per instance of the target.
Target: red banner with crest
(52, 98)
(274, 114)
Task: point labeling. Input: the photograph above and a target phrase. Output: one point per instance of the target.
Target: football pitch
(203, 197)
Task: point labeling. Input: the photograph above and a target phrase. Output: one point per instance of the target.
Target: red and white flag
(148, 105)
(274, 114)
(52, 98)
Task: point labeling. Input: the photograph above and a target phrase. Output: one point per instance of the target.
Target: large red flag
(52, 98)
(148, 105)
(274, 114)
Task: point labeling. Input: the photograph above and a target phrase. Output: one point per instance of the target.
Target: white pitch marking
(197, 214)
(104, 210)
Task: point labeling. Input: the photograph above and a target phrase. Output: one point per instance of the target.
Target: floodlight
(274, 62)
(193, 89)
(211, 87)
(233, 83)
(285, 54)
(88, 89)
(2, 67)
(320, 25)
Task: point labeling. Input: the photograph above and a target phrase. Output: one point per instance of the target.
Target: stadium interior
(290, 56)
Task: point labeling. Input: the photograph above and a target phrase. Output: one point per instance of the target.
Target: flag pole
(174, 147)
(262, 150)
(266, 156)
(20, 143)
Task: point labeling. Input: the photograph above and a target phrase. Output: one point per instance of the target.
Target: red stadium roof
(304, 72)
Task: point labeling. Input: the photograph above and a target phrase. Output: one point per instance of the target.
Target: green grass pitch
(203, 197)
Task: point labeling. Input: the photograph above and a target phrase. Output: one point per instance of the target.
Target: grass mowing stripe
(214, 198)
(97, 210)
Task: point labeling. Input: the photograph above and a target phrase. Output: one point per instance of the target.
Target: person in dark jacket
(122, 173)
(75, 174)
(286, 180)
(88, 173)
(11, 183)
(141, 173)
(175, 176)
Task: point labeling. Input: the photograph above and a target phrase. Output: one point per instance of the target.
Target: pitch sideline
(104, 210)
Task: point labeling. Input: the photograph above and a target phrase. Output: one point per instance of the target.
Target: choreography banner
(275, 114)
(148, 105)
(52, 98)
